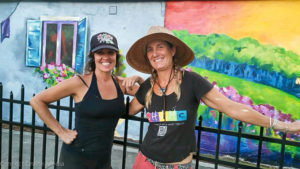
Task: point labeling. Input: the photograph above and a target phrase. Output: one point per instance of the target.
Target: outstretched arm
(218, 101)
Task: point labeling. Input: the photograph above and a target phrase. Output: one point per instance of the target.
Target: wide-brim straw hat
(136, 55)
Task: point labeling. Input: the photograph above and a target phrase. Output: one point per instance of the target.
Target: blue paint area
(33, 50)
(250, 73)
(81, 46)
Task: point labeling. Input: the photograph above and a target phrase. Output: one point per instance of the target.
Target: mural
(56, 46)
(248, 49)
(251, 55)
(23, 48)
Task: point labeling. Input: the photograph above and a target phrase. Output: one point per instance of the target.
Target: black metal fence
(10, 124)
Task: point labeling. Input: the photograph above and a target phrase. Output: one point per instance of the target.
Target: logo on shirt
(175, 115)
(162, 131)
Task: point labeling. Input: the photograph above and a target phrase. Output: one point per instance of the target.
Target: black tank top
(96, 120)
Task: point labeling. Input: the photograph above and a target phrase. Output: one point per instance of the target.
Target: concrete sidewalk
(117, 152)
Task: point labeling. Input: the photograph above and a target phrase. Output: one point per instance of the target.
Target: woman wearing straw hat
(99, 102)
(171, 97)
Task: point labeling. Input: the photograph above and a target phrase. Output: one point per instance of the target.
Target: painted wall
(265, 24)
(130, 23)
(250, 51)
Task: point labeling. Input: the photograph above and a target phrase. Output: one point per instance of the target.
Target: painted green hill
(259, 93)
(246, 50)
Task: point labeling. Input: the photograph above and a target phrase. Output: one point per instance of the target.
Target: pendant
(162, 131)
(162, 90)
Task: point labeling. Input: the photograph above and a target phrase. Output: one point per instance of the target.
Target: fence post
(198, 143)
(238, 145)
(21, 128)
(56, 137)
(44, 146)
(218, 139)
(44, 143)
(125, 133)
(70, 112)
(11, 97)
(141, 128)
(261, 134)
(283, 141)
(32, 138)
(1, 96)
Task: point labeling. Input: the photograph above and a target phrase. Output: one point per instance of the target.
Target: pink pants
(142, 163)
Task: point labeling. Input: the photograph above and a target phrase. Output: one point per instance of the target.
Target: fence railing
(33, 128)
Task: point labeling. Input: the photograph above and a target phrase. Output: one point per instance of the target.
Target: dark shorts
(79, 158)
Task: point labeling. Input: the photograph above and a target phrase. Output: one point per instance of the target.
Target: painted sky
(269, 22)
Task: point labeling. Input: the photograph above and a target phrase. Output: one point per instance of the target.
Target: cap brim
(136, 55)
(105, 47)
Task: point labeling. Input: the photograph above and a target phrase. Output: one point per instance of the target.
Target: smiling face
(105, 59)
(160, 54)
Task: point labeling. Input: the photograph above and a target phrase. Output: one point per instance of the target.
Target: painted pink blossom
(62, 74)
(46, 76)
(59, 79)
(42, 68)
(60, 68)
(51, 66)
(213, 113)
(188, 69)
(71, 70)
(265, 109)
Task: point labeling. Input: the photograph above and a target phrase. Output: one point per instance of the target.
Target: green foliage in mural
(246, 50)
(122, 67)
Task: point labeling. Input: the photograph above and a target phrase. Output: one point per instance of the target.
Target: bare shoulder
(85, 78)
(74, 82)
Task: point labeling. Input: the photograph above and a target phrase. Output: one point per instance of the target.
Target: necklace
(163, 90)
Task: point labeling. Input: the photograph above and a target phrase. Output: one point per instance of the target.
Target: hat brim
(105, 47)
(136, 55)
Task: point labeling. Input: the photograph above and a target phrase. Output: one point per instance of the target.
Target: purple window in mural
(67, 36)
(51, 42)
(59, 42)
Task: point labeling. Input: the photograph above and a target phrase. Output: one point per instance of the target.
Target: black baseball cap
(104, 40)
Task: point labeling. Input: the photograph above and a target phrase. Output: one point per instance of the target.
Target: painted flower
(60, 68)
(265, 109)
(46, 76)
(62, 74)
(53, 74)
(59, 79)
(42, 68)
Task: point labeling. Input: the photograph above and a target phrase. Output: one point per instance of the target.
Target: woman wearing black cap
(99, 102)
(171, 97)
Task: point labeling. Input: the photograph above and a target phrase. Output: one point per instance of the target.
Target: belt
(159, 165)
